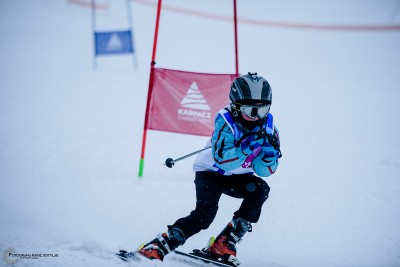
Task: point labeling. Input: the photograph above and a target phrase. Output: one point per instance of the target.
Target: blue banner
(117, 42)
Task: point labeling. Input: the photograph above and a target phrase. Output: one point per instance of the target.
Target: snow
(70, 136)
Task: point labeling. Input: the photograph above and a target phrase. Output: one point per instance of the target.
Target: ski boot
(163, 244)
(224, 246)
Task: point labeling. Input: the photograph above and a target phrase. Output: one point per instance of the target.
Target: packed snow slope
(70, 135)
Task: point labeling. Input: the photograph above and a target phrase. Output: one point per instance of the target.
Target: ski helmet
(250, 88)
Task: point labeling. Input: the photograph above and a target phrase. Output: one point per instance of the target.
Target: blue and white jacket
(226, 158)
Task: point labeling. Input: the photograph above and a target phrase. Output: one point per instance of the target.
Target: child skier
(245, 147)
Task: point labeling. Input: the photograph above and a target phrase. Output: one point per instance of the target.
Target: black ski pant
(209, 188)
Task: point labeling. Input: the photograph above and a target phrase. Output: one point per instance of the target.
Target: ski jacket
(227, 157)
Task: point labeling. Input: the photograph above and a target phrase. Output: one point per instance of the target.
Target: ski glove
(270, 153)
(249, 145)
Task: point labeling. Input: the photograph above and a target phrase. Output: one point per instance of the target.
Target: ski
(205, 257)
(128, 256)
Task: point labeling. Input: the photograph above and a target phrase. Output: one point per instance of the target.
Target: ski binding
(207, 258)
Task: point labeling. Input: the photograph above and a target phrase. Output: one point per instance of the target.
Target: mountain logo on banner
(194, 106)
(194, 99)
(114, 43)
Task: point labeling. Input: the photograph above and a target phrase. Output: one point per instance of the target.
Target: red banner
(186, 102)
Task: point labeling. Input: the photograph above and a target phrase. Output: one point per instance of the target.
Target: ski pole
(170, 162)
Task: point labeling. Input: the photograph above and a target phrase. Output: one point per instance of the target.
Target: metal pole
(130, 22)
(170, 162)
(93, 13)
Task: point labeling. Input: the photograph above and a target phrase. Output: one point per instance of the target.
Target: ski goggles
(253, 111)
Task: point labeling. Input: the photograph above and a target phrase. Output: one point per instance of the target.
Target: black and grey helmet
(250, 88)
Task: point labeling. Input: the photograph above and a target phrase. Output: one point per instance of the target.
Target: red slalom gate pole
(150, 91)
(236, 38)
